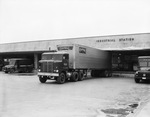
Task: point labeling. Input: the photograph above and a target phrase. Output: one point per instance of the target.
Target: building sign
(114, 40)
(106, 40)
(82, 50)
(126, 39)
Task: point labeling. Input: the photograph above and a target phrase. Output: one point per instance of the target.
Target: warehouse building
(125, 49)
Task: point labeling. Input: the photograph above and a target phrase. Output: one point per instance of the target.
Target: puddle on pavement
(120, 112)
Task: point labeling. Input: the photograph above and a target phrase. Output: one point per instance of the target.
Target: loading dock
(125, 49)
(34, 57)
(127, 60)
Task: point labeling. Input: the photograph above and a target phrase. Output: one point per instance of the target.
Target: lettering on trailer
(82, 50)
(65, 48)
(113, 40)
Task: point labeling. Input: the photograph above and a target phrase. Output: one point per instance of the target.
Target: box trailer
(72, 61)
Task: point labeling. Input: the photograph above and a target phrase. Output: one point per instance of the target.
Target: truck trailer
(71, 62)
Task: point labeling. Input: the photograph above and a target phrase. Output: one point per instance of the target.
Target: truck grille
(47, 67)
(144, 74)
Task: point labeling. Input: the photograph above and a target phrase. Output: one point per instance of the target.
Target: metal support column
(36, 63)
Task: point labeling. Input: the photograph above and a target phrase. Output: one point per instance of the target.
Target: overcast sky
(31, 20)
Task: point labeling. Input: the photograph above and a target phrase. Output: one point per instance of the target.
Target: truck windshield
(12, 62)
(52, 57)
(144, 62)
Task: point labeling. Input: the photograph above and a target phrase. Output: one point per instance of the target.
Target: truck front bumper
(142, 78)
(47, 74)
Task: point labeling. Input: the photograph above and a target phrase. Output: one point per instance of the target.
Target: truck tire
(80, 76)
(6, 72)
(43, 79)
(110, 74)
(11, 71)
(95, 73)
(75, 77)
(106, 73)
(92, 73)
(61, 79)
(137, 80)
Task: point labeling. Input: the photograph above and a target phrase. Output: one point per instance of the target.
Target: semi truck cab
(143, 72)
(52, 64)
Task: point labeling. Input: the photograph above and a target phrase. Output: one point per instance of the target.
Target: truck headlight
(56, 71)
(39, 70)
(136, 73)
(69, 74)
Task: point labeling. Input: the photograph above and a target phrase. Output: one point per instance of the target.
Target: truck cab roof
(55, 53)
(19, 59)
(140, 57)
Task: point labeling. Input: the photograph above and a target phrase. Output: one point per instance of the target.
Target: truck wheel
(110, 74)
(61, 79)
(106, 73)
(26, 70)
(80, 76)
(6, 72)
(93, 73)
(11, 71)
(43, 79)
(137, 80)
(75, 77)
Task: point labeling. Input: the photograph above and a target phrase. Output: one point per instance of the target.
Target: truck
(18, 65)
(143, 72)
(72, 61)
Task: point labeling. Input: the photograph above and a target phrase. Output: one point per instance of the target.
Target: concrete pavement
(145, 111)
(126, 92)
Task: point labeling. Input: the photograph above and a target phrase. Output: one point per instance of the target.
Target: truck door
(65, 61)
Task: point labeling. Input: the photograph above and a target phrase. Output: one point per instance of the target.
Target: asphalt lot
(22, 95)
